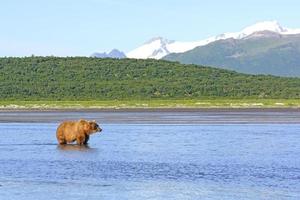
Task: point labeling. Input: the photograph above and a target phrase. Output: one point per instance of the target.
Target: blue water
(152, 161)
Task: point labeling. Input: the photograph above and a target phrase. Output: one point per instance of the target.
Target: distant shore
(154, 104)
(209, 109)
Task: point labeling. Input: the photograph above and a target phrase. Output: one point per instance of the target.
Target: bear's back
(69, 129)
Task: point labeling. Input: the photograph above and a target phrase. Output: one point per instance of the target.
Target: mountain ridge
(114, 53)
(267, 53)
(160, 47)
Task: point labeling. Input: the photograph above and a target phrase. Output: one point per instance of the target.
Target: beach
(158, 116)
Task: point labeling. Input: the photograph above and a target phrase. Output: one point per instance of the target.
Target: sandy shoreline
(157, 116)
(209, 109)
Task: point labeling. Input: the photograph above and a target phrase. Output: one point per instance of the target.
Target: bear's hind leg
(61, 139)
(62, 142)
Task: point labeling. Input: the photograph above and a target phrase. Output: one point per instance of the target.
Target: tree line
(83, 78)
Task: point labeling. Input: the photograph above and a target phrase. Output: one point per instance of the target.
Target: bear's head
(94, 127)
(90, 127)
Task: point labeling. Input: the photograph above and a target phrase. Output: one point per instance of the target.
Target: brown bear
(69, 131)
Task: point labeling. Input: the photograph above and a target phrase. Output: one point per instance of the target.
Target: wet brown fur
(79, 131)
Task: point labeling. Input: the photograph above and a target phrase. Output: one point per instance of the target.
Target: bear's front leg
(87, 137)
(80, 140)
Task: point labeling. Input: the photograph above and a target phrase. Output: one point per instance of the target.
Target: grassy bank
(223, 103)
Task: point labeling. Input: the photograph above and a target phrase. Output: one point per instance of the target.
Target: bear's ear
(94, 121)
(82, 120)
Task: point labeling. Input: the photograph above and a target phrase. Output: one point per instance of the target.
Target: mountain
(115, 53)
(264, 52)
(159, 47)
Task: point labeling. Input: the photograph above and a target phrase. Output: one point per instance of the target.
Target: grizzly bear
(69, 131)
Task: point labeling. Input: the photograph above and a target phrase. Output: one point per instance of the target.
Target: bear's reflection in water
(74, 147)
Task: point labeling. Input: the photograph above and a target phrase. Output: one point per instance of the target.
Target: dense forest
(82, 78)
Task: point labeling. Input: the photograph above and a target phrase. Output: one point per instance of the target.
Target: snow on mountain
(159, 47)
(154, 48)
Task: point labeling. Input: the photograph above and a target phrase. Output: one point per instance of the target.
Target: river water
(153, 159)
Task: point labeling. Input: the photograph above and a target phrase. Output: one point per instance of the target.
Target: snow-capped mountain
(115, 53)
(159, 47)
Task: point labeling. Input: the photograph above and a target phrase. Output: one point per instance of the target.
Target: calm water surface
(152, 161)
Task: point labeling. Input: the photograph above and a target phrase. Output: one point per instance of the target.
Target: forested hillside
(82, 78)
(260, 53)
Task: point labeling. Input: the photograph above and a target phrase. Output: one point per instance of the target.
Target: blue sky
(81, 27)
